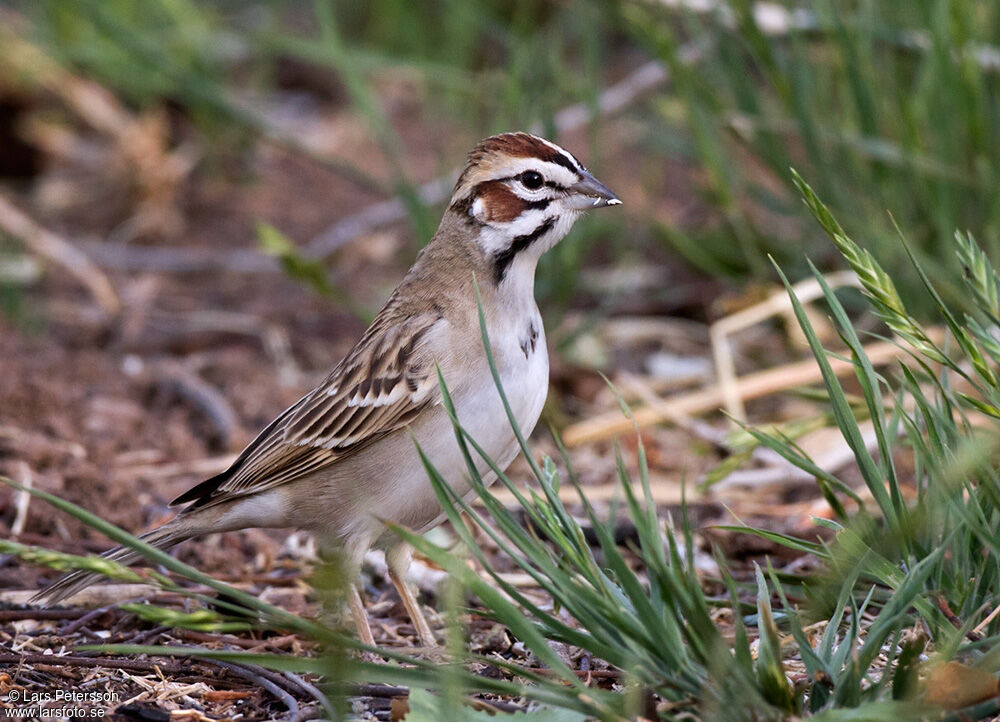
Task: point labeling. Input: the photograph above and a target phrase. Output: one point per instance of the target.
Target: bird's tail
(166, 536)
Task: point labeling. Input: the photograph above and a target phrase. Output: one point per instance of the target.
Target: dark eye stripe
(463, 206)
(560, 159)
(501, 202)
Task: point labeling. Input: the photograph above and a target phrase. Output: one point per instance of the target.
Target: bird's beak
(591, 193)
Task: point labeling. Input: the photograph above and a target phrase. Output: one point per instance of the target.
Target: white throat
(517, 289)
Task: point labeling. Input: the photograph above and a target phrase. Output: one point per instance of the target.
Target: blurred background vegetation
(879, 104)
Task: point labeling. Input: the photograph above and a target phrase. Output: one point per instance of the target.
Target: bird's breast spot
(529, 339)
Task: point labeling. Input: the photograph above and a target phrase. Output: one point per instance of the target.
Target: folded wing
(386, 381)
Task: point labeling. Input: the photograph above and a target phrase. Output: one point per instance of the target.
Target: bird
(343, 460)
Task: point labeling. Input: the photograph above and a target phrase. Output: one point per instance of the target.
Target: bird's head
(521, 194)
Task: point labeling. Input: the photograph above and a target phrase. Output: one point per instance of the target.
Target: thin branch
(751, 386)
(202, 396)
(69, 660)
(59, 251)
(778, 303)
(22, 499)
(262, 678)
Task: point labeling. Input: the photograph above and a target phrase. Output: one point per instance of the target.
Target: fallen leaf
(399, 707)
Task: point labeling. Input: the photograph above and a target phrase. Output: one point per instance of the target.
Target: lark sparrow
(342, 459)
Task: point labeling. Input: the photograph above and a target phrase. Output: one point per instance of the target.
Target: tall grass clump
(658, 626)
(881, 104)
(932, 517)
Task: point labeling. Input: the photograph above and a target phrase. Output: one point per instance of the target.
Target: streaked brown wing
(382, 385)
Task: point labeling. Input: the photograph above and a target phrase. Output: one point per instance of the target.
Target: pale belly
(388, 481)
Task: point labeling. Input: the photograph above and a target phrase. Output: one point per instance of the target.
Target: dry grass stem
(57, 250)
(778, 303)
(23, 476)
(751, 386)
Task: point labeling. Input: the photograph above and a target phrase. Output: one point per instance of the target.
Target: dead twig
(198, 467)
(167, 259)
(86, 618)
(978, 629)
(70, 660)
(60, 252)
(377, 690)
(778, 303)
(312, 691)
(16, 615)
(750, 386)
(202, 396)
(98, 595)
(262, 678)
(663, 493)
(641, 391)
(22, 500)
(972, 635)
(144, 636)
(274, 643)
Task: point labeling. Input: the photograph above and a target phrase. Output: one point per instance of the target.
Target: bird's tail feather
(163, 538)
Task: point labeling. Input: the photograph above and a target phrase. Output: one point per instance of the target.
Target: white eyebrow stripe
(565, 153)
(514, 167)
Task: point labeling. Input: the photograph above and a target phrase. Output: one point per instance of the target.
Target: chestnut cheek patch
(500, 203)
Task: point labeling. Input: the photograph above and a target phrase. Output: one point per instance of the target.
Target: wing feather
(380, 387)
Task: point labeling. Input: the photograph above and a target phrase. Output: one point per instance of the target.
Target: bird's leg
(360, 615)
(339, 572)
(398, 560)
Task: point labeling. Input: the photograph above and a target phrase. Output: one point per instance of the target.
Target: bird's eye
(532, 180)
